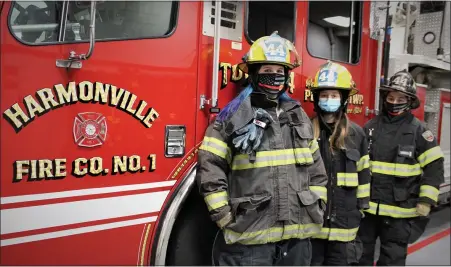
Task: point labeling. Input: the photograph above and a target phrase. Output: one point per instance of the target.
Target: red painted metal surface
(421, 93)
(169, 74)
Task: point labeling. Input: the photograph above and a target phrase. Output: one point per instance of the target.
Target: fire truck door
(123, 117)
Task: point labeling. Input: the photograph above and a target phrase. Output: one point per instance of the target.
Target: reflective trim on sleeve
(336, 234)
(392, 211)
(313, 146)
(429, 156)
(395, 169)
(272, 235)
(216, 200)
(217, 147)
(321, 191)
(347, 179)
(429, 192)
(363, 190)
(273, 158)
(363, 163)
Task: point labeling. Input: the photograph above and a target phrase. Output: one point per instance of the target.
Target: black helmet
(403, 82)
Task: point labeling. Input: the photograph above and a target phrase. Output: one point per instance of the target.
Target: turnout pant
(335, 253)
(292, 252)
(394, 237)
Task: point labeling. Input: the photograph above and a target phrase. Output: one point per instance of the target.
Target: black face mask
(395, 109)
(273, 84)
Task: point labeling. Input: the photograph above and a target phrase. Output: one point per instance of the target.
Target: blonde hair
(337, 138)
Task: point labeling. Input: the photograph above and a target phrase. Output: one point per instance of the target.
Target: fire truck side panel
(106, 215)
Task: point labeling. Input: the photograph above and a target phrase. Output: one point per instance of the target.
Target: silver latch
(175, 141)
(203, 101)
(371, 111)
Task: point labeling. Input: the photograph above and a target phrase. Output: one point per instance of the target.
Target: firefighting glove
(249, 137)
(224, 221)
(423, 209)
(262, 119)
(242, 141)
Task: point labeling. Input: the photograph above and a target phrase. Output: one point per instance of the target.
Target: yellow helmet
(334, 76)
(271, 49)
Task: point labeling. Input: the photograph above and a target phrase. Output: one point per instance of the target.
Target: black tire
(193, 234)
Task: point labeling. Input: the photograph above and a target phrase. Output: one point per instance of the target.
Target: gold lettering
(124, 99)
(130, 105)
(101, 92)
(33, 107)
(291, 83)
(76, 170)
(95, 165)
(66, 96)
(16, 118)
(308, 96)
(115, 96)
(47, 98)
(151, 116)
(86, 86)
(45, 169)
(20, 168)
(237, 74)
(134, 163)
(33, 169)
(153, 162)
(224, 67)
(142, 104)
(60, 168)
(119, 164)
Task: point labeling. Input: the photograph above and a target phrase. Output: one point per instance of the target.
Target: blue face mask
(329, 105)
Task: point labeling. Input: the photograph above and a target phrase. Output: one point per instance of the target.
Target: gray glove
(249, 137)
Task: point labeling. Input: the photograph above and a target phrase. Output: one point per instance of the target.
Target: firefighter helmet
(403, 82)
(271, 49)
(334, 76)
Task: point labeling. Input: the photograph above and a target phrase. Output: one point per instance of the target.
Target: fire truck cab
(105, 103)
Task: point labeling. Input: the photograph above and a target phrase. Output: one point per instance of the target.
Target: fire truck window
(35, 22)
(122, 19)
(329, 33)
(266, 17)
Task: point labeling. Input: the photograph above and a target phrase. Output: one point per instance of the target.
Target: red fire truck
(104, 105)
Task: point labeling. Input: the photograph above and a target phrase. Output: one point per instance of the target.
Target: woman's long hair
(233, 105)
(339, 133)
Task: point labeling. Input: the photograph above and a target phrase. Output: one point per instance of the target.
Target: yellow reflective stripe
(363, 163)
(273, 234)
(429, 156)
(321, 191)
(395, 169)
(336, 234)
(216, 200)
(392, 211)
(347, 179)
(313, 146)
(363, 190)
(429, 192)
(217, 147)
(273, 158)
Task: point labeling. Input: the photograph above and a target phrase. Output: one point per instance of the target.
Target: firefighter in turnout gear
(344, 150)
(407, 170)
(259, 167)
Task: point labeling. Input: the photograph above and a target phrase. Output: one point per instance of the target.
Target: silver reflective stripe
(395, 169)
(272, 235)
(216, 147)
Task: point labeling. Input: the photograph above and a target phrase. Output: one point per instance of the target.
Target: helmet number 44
(401, 81)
